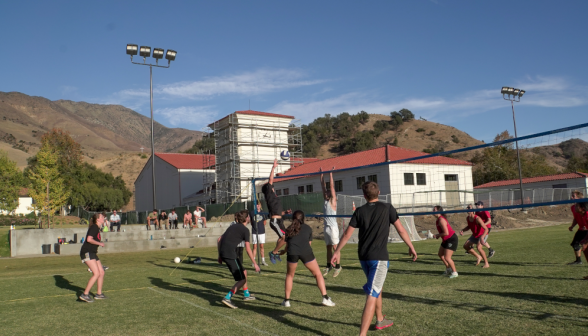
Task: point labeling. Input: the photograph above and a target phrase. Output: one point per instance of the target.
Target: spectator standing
(115, 221)
(258, 223)
(163, 219)
(198, 217)
(173, 219)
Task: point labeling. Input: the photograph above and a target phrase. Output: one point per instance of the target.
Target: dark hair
(583, 206)
(297, 220)
(155, 210)
(241, 216)
(266, 188)
(94, 219)
(439, 208)
(370, 190)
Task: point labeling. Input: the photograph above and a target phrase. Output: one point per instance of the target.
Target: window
(328, 185)
(278, 192)
(309, 188)
(408, 179)
(300, 190)
(373, 178)
(286, 191)
(339, 186)
(360, 181)
(558, 186)
(421, 179)
(452, 177)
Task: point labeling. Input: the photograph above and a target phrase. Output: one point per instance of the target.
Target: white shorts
(331, 235)
(261, 238)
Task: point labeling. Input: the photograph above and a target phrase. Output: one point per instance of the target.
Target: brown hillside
(558, 155)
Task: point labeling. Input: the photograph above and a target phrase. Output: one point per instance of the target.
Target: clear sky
(444, 60)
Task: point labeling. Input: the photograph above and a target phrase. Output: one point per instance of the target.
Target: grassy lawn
(528, 290)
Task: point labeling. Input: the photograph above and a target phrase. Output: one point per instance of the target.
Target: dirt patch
(506, 219)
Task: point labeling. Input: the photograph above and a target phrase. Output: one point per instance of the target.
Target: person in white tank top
(331, 228)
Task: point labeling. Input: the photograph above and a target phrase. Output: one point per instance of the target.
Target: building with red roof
(176, 176)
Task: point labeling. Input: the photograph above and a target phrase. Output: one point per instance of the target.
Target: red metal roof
(258, 113)
(187, 161)
(546, 178)
(369, 157)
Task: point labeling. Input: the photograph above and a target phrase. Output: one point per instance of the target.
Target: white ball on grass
(177, 260)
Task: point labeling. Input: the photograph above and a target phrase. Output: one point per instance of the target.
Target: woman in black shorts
(298, 240)
(88, 253)
(449, 243)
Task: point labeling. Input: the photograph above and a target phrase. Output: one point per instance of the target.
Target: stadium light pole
(144, 51)
(514, 95)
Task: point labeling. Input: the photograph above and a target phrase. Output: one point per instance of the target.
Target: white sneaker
(328, 302)
(453, 275)
(264, 263)
(286, 303)
(326, 271)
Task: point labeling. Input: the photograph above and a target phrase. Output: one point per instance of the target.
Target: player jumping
(274, 206)
(331, 230)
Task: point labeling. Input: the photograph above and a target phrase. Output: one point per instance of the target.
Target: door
(451, 183)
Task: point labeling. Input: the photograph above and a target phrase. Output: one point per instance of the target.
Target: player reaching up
(478, 228)
(373, 221)
(448, 244)
(227, 253)
(486, 218)
(298, 240)
(331, 230)
(274, 206)
(582, 232)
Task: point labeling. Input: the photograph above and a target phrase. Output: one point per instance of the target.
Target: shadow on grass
(206, 268)
(540, 298)
(482, 274)
(214, 293)
(62, 282)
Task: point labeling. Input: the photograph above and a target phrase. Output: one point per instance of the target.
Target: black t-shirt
(299, 244)
(274, 204)
(163, 217)
(234, 235)
(373, 221)
(93, 231)
(259, 219)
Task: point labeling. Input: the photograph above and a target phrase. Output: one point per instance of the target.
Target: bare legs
(445, 256)
(261, 250)
(97, 276)
(482, 256)
(330, 250)
(314, 268)
(372, 305)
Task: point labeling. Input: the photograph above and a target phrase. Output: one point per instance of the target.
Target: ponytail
(297, 221)
(94, 219)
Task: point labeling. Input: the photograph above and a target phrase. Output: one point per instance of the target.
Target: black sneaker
(105, 267)
(86, 297)
(100, 297)
(491, 254)
(575, 263)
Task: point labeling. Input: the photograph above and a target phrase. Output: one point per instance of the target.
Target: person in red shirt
(479, 230)
(486, 218)
(449, 243)
(582, 233)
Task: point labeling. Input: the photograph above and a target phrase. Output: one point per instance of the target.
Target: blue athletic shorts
(375, 271)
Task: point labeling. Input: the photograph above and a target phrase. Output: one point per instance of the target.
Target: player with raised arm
(331, 230)
(274, 206)
(478, 228)
(448, 244)
(487, 219)
(298, 240)
(582, 232)
(227, 253)
(373, 221)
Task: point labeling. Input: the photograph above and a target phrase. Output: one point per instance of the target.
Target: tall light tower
(145, 52)
(514, 95)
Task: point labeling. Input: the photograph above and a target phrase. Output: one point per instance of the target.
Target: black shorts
(293, 258)
(236, 268)
(277, 224)
(240, 253)
(474, 240)
(88, 256)
(578, 237)
(451, 243)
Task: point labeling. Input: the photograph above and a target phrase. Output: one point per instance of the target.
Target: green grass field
(528, 290)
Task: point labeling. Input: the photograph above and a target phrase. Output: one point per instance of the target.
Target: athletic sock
(246, 292)
(338, 266)
(578, 259)
(229, 295)
(326, 297)
(262, 259)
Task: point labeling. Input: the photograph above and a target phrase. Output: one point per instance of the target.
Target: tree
(406, 114)
(48, 189)
(10, 182)
(396, 119)
(96, 190)
(203, 146)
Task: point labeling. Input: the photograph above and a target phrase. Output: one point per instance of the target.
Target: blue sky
(444, 60)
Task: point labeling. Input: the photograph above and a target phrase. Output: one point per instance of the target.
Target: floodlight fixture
(516, 92)
(170, 55)
(145, 51)
(157, 53)
(132, 49)
(504, 90)
(521, 93)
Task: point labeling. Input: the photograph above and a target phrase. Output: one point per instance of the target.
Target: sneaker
(286, 303)
(264, 263)
(491, 254)
(337, 271)
(249, 298)
(229, 304)
(453, 275)
(272, 257)
(100, 297)
(575, 263)
(278, 258)
(447, 272)
(326, 271)
(105, 267)
(86, 297)
(383, 324)
(328, 302)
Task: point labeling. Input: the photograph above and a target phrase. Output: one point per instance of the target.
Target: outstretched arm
(323, 184)
(271, 177)
(402, 233)
(333, 195)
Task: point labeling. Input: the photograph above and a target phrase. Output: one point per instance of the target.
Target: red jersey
(450, 231)
(477, 230)
(485, 215)
(581, 220)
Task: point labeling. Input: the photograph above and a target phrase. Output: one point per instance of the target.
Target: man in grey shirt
(173, 219)
(115, 221)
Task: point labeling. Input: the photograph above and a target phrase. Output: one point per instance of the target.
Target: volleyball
(285, 155)
(177, 260)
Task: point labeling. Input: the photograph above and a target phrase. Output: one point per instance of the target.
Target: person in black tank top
(298, 240)
(89, 255)
(449, 242)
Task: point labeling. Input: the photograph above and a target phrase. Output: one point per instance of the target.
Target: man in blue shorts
(373, 221)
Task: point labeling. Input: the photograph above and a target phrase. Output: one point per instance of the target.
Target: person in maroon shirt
(478, 231)
(486, 218)
(582, 232)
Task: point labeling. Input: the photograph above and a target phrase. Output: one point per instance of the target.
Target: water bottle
(151, 237)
